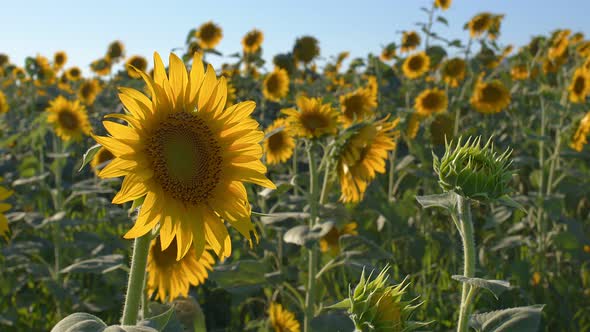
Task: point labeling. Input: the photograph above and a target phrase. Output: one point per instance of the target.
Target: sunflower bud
(474, 172)
(378, 306)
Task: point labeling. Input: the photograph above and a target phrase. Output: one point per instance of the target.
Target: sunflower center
(87, 90)
(273, 84)
(185, 157)
(354, 106)
(579, 85)
(416, 63)
(208, 32)
(491, 94)
(276, 141)
(67, 120)
(314, 121)
(432, 101)
(164, 258)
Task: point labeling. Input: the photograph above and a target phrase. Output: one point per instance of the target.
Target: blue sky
(84, 28)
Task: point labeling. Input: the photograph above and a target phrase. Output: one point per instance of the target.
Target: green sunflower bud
(378, 306)
(474, 172)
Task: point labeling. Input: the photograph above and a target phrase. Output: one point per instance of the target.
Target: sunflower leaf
(90, 153)
(446, 201)
(496, 287)
(522, 319)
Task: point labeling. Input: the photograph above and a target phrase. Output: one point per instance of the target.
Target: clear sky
(84, 28)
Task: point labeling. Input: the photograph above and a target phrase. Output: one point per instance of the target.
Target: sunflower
(19, 74)
(312, 119)
(357, 105)
(410, 41)
(581, 135)
(331, 241)
(416, 65)
(388, 52)
(453, 71)
(59, 60)
(431, 101)
(102, 156)
(64, 84)
(559, 45)
(584, 49)
(115, 51)
(209, 35)
(279, 144)
(187, 157)
(88, 91)
(172, 278)
(363, 155)
(413, 125)
(276, 85)
(306, 49)
(580, 86)
(441, 129)
(73, 74)
(4, 59)
(3, 103)
(442, 4)
(4, 194)
(519, 72)
(252, 41)
(490, 97)
(69, 119)
(137, 61)
(282, 320)
(101, 67)
(495, 25)
(479, 24)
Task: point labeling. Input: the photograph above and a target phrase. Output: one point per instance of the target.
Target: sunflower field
(439, 185)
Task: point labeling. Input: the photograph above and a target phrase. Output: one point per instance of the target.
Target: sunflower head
(388, 52)
(100, 158)
(377, 305)
(187, 157)
(490, 97)
(4, 107)
(559, 44)
(88, 91)
(4, 59)
(474, 172)
(479, 24)
(115, 51)
(580, 86)
(312, 119)
(170, 278)
(495, 25)
(278, 144)
(59, 60)
(69, 119)
(139, 63)
(306, 49)
(19, 74)
(4, 194)
(442, 4)
(209, 35)
(331, 241)
(581, 136)
(431, 101)
(583, 49)
(281, 319)
(519, 72)
(357, 105)
(416, 65)
(74, 74)
(441, 129)
(410, 41)
(252, 41)
(101, 66)
(285, 61)
(276, 85)
(453, 71)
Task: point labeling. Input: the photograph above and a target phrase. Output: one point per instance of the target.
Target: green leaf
(94, 265)
(303, 235)
(79, 321)
(128, 328)
(496, 287)
(521, 319)
(158, 321)
(442, 20)
(344, 304)
(507, 201)
(446, 201)
(270, 219)
(90, 153)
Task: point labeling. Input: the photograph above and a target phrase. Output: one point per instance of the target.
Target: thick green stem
(312, 252)
(136, 279)
(466, 224)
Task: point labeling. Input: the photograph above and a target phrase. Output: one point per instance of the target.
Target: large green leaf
(520, 319)
(496, 287)
(446, 201)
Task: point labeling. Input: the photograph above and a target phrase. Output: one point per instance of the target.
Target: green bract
(474, 172)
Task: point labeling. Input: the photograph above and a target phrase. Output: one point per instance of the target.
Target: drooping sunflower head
(69, 119)
(306, 49)
(88, 91)
(479, 24)
(579, 88)
(187, 156)
(312, 119)
(115, 51)
(441, 129)
(442, 4)
(519, 72)
(100, 158)
(490, 97)
(276, 85)
(281, 319)
(473, 171)
(170, 278)
(416, 65)
(581, 136)
(4, 194)
(285, 61)
(453, 71)
(357, 105)
(101, 66)
(559, 44)
(252, 41)
(431, 101)
(140, 64)
(577, 37)
(583, 49)
(410, 41)
(495, 26)
(331, 241)
(388, 52)
(279, 144)
(59, 60)
(361, 152)
(209, 35)
(73, 74)
(4, 107)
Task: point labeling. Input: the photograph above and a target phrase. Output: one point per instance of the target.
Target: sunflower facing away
(140, 64)
(331, 241)
(209, 35)
(69, 119)
(312, 118)
(580, 86)
(172, 278)
(306, 49)
(363, 156)
(88, 91)
(4, 194)
(101, 67)
(442, 4)
(276, 85)
(3, 103)
(388, 52)
(416, 65)
(490, 97)
(431, 101)
(279, 144)
(59, 60)
(252, 41)
(581, 136)
(479, 24)
(357, 105)
(100, 158)
(410, 41)
(453, 71)
(282, 320)
(115, 51)
(187, 156)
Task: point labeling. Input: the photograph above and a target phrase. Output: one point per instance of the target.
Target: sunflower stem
(312, 252)
(136, 279)
(466, 224)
